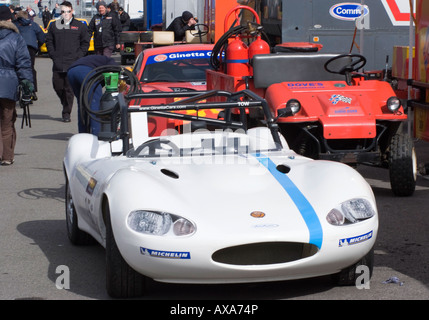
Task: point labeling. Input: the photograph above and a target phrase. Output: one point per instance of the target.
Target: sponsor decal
(257, 214)
(355, 240)
(335, 98)
(165, 254)
(272, 225)
(202, 54)
(309, 85)
(346, 110)
(91, 186)
(348, 11)
(160, 58)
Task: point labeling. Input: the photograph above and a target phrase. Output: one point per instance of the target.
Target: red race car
(177, 69)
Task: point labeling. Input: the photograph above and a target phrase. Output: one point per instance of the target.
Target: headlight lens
(393, 104)
(159, 223)
(294, 105)
(351, 211)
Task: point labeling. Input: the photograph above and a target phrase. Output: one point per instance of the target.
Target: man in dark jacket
(67, 40)
(46, 17)
(124, 17)
(181, 24)
(15, 68)
(33, 36)
(106, 28)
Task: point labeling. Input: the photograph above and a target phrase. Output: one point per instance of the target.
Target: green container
(111, 80)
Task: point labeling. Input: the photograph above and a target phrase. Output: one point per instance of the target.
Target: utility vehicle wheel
(121, 280)
(402, 165)
(348, 276)
(75, 235)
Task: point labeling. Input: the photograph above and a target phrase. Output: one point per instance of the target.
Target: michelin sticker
(348, 11)
(165, 254)
(355, 240)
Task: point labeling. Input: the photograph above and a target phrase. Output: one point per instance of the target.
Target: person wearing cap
(67, 40)
(46, 17)
(181, 24)
(15, 69)
(106, 28)
(124, 17)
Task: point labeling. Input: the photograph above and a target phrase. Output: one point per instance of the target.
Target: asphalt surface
(34, 244)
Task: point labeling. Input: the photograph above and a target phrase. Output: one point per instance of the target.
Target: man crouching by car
(67, 41)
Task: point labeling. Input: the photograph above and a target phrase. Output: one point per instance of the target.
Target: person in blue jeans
(76, 75)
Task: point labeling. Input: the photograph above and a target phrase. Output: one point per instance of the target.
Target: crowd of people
(67, 41)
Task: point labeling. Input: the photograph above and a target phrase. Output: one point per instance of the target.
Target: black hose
(95, 78)
(219, 47)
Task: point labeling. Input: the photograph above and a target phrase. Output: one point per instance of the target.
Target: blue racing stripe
(305, 208)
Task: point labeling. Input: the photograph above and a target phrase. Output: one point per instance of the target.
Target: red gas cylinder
(237, 58)
(258, 46)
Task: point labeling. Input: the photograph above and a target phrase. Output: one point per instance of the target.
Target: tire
(402, 165)
(75, 235)
(349, 275)
(121, 280)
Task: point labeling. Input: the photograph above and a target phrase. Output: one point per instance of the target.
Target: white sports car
(218, 206)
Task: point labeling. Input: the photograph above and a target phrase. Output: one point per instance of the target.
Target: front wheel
(402, 165)
(75, 235)
(121, 280)
(349, 275)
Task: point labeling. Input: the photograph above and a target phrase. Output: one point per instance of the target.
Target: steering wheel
(200, 30)
(354, 62)
(153, 145)
(164, 77)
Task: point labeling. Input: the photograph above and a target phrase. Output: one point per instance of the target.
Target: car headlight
(294, 106)
(393, 104)
(351, 211)
(159, 223)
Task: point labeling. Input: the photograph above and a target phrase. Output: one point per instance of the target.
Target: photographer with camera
(15, 69)
(181, 24)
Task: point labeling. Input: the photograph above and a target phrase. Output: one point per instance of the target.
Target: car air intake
(170, 173)
(264, 253)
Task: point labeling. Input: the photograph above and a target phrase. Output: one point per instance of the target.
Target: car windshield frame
(239, 101)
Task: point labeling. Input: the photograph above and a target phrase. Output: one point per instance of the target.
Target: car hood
(245, 193)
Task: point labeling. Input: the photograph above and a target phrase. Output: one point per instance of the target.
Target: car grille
(264, 253)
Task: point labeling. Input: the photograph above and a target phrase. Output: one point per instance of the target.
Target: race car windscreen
(187, 66)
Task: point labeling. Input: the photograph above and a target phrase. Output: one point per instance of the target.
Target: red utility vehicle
(325, 107)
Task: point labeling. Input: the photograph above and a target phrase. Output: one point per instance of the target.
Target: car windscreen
(187, 66)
